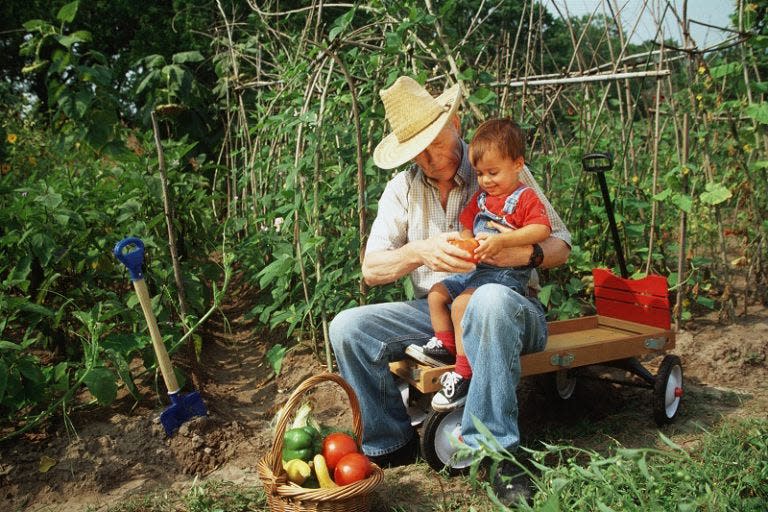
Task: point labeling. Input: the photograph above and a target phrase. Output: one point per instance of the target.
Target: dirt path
(111, 454)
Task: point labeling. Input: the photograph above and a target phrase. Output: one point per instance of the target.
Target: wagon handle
(600, 163)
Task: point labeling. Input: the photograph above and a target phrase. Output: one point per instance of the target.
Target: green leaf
(725, 69)
(81, 36)
(663, 195)
(275, 357)
(18, 276)
(185, 57)
(715, 193)
(393, 45)
(124, 371)
(38, 309)
(102, 384)
(125, 344)
(408, 289)
(38, 25)
(67, 13)
(340, 24)
(758, 112)
(334, 32)
(706, 302)
(482, 96)
(545, 294)
(9, 345)
(683, 201)
(50, 200)
(31, 371)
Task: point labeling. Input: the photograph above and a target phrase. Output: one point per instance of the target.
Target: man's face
(441, 159)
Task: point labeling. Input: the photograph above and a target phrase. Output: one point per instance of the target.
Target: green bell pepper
(301, 443)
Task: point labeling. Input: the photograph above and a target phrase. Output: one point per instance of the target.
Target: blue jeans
(499, 325)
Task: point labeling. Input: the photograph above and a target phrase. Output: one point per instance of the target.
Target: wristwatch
(537, 256)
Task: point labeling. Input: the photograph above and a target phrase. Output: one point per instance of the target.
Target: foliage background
(278, 114)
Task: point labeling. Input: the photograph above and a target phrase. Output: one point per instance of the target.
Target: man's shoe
(454, 392)
(403, 456)
(434, 348)
(511, 484)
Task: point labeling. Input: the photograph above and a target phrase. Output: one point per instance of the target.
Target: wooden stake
(169, 218)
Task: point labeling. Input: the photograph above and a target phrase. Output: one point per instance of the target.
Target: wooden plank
(649, 285)
(634, 312)
(541, 362)
(625, 325)
(424, 378)
(575, 324)
(651, 301)
(586, 337)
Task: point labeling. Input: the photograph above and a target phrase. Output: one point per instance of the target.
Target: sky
(712, 12)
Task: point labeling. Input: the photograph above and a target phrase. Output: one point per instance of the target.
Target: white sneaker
(453, 394)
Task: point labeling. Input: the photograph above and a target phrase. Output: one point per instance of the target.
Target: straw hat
(416, 119)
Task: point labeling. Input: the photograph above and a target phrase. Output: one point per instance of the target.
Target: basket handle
(293, 402)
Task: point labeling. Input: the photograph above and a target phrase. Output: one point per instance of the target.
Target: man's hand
(437, 254)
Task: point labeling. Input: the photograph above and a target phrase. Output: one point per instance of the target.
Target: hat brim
(391, 153)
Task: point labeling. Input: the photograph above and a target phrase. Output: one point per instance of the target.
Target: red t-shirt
(529, 210)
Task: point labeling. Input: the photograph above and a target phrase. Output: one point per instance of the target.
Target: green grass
(727, 471)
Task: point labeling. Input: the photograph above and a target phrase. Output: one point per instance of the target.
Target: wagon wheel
(668, 390)
(436, 448)
(563, 384)
(558, 385)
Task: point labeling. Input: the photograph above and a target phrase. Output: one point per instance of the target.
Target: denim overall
(514, 278)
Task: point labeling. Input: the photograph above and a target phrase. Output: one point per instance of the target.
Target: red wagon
(632, 321)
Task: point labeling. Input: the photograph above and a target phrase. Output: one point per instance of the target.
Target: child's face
(498, 176)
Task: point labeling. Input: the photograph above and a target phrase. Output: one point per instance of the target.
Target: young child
(497, 154)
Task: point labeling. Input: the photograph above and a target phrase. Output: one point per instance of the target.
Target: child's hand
(490, 246)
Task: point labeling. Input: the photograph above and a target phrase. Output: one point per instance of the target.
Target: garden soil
(100, 458)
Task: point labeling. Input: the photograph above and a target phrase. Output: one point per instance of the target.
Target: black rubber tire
(666, 401)
(435, 443)
(562, 385)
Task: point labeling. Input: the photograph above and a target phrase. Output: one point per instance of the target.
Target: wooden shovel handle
(157, 340)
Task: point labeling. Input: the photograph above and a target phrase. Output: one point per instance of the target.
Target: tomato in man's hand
(335, 446)
(351, 468)
(467, 244)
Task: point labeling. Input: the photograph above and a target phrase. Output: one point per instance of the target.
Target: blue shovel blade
(182, 408)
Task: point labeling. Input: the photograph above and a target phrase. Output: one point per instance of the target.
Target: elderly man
(417, 216)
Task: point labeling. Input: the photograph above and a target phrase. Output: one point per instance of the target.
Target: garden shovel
(130, 252)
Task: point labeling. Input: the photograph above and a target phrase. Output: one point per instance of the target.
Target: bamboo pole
(316, 215)
(683, 230)
(584, 79)
(654, 204)
(169, 219)
(452, 62)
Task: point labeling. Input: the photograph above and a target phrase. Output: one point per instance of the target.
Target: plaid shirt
(410, 209)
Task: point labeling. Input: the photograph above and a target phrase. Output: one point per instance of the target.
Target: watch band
(537, 257)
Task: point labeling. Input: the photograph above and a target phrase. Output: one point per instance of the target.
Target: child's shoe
(453, 394)
(434, 348)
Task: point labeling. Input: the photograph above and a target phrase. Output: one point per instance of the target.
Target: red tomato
(335, 446)
(467, 244)
(351, 468)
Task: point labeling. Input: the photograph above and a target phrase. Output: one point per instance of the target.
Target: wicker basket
(285, 496)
